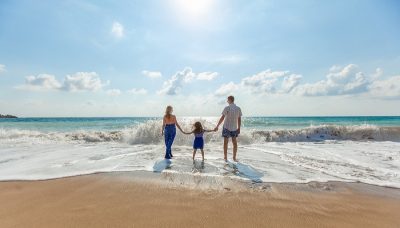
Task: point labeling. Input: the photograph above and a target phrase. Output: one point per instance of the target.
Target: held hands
(215, 129)
(186, 133)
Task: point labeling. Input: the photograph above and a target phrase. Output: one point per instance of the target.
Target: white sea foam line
(276, 147)
(307, 166)
(363, 175)
(355, 151)
(261, 149)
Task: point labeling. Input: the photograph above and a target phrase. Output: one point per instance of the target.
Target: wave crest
(331, 132)
(150, 133)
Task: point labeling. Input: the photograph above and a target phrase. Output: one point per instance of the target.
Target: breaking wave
(150, 133)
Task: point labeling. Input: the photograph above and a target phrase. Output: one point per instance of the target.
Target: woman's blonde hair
(168, 111)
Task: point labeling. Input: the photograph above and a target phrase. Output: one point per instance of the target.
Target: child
(198, 143)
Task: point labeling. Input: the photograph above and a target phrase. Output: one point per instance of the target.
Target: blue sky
(132, 58)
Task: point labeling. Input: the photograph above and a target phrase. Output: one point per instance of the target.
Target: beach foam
(150, 133)
(369, 162)
(364, 153)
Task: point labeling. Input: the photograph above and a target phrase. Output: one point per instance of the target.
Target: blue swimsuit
(198, 141)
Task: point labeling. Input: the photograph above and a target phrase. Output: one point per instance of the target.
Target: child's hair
(198, 128)
(168, 111)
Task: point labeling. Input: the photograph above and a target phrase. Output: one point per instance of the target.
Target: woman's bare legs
(202, 153)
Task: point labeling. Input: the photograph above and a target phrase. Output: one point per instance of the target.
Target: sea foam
(365, 153)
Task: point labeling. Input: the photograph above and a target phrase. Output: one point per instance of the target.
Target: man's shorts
(226, 133)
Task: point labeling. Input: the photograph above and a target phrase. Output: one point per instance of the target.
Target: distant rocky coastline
(7, 116)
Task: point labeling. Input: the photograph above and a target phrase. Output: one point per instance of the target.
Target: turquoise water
(119, 123)
(72, 124)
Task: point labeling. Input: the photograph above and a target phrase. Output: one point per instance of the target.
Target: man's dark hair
(231, 98)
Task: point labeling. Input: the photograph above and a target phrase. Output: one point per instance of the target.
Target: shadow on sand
(243, 170)
(198, 166)
(159, 166)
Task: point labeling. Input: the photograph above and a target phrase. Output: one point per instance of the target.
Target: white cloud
(226, 89)
(174, 85)
(263, 81)
(358, 85)
(2, 68)
(347, 80)
(378, 73)
(40, 82)
(335, 68)
(136, 91)
(207, 76)
(152, 74)
(114, 92)
(81, 81)
(290, 82)
(117, 30)
(340, 81)
(342, 75)
(389, 88)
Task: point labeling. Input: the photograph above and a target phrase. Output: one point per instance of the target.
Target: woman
(169, 130)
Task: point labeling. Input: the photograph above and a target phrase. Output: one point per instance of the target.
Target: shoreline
(156, 177)
(159, 178)
(146, 199)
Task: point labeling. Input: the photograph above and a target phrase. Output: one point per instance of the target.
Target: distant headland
(7, 116)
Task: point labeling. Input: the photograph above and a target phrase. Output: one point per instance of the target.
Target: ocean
(271, 149)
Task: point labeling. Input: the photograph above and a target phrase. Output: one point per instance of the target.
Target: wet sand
(125, 200)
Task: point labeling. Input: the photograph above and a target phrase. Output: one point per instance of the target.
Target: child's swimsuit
(198, 141)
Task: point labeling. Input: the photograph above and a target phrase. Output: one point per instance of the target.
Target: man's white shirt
(231, 113)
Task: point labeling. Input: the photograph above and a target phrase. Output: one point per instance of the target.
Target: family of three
(231, 117)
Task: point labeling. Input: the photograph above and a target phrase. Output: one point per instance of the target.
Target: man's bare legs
(234, 142)
(226, 139)
(235, 147)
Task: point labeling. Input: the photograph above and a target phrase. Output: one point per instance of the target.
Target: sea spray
(150, 133)
(276, 149)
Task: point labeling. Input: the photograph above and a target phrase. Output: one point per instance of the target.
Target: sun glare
(193, 9)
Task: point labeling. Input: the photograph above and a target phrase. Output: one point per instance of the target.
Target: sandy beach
(131, 200)
(199, 113)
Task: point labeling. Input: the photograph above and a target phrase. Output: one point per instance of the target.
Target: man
(232, 115)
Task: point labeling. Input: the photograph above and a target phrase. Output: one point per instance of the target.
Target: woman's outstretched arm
(163, 126)
(178, 126)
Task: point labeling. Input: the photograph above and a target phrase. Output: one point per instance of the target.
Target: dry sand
(104, 200)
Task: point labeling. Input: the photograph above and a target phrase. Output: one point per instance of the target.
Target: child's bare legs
(194, 153)
(202, 153)
(226, 139)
